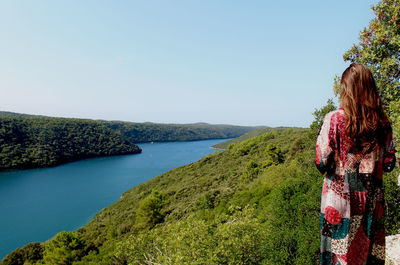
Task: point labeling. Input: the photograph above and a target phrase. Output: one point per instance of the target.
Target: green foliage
(14, 258)
(64, 249)
(149, 212)
(234, 238)
(336, 85)
(29, 254)
(251, 134)
(250, 172)
(392, 199)
(29, 142)
(319, 115)
(394, 115)
(273, 155)
(293, 222)
(208, 200)
(154, 132)
(240, 240)
(244, 149)
(33, 252)
(378, 48)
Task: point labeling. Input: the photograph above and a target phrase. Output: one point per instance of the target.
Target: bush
(64, 249)
(392, 199)
(250, 172)
(273, 155)
(30, 253)
(238, 238)
(149, 212)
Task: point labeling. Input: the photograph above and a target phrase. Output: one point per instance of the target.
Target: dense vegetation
(379, 49)
(35, 141)
(248, 135)
(255, 203)
(29, 141)
(155, 132)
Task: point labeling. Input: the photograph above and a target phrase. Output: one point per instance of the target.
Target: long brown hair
(367, 124)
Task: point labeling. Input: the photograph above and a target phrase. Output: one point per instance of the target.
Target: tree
(273, 155)
(379, 49)
(33, 252)
(319, 115)
(250, 172)
(14, 258)
(149, 212)
(29, 254)
(64, 249)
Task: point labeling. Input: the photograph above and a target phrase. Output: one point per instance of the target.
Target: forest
(37, 141)
(31, 141)
(156, 132)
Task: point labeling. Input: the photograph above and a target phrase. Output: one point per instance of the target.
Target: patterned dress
(352, 203)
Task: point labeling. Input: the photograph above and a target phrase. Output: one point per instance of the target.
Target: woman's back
(353, 154)
(348, 158)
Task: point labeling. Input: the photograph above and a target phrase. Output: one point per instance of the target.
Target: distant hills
(30, 141)
(38, 141)
(158, 132)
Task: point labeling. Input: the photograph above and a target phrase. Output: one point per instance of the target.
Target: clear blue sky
(233, 62)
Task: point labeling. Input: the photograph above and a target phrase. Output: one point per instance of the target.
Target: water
(37, 204)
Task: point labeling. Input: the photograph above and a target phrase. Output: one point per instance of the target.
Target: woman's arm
(324, 157)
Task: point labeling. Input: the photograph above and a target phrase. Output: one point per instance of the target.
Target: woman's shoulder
(335, 114)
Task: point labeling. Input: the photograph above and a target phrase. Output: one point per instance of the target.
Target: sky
(217, 61)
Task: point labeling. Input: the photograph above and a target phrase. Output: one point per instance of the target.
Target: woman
(354, 147)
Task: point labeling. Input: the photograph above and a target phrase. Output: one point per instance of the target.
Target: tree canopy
(379, 49)
(29, 142)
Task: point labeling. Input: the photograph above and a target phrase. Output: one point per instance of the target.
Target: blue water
(37, 204)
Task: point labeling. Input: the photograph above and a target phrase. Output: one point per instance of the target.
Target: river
(36, 204)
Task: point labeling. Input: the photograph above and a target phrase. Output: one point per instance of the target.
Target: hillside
(136, 132)
(35, 141)
(225, 144)
(15, 114)
(156, 132)
(255, 203)
(30, 141)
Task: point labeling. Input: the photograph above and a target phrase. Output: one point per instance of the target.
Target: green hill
(224, 145)
(255, 203)
(14, 114)
(38, 141)
(160, 132)
(156, 132)
(30, 141)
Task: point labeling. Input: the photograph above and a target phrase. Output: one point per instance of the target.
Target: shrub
(273, 155)
(250, 172)
(149, 212)
(64, 249)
